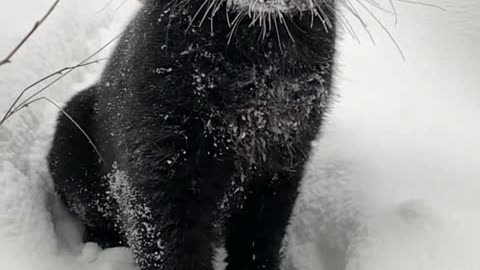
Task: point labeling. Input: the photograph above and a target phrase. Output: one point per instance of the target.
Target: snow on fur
(393, 183)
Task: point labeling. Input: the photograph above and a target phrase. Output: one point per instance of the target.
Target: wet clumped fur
(202, 124)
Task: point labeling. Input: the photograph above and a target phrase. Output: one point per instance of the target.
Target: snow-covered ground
(393, 181)
(35, 233)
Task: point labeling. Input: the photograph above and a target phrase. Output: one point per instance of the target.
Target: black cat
(200, 128)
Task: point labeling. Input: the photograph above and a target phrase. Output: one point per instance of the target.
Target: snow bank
(35, 232)
(393, 180)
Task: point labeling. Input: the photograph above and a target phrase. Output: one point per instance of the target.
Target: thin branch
(84, 133)
(35, 27)
(12, 108)
(104, 7)
(121, 4)
(66, 71)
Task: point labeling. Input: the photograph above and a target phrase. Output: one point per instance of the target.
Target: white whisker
(384, 29)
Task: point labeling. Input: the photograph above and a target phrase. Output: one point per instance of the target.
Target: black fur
(200, 140)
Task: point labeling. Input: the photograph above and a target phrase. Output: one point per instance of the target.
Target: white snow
(393, 181)
(35, 232)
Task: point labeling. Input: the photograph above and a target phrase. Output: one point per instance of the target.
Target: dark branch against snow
(35, 27)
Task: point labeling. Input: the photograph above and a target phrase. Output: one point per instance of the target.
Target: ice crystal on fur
(135, 217)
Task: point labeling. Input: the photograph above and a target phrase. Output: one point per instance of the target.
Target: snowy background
(394, 182)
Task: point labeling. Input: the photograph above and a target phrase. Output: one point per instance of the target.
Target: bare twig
(66, 73)
(62, 72)
(84, 133)
(35, 27)
(105, 7)
(121, 4)
(12, 108)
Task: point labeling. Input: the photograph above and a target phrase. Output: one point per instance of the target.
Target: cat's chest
(265, 121)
